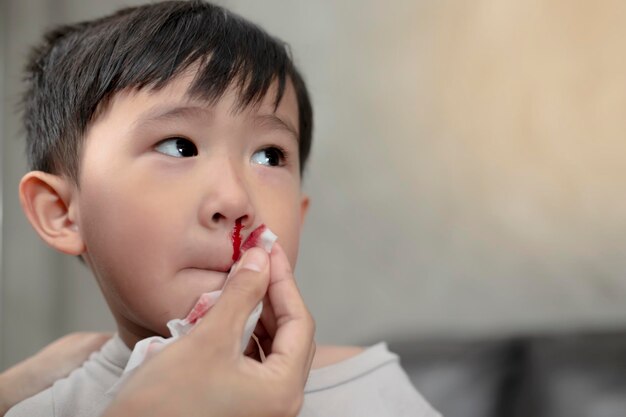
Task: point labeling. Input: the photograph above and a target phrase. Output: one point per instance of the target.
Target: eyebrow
(164, 113)
(274, 122)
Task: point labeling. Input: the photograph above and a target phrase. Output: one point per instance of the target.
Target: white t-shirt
(371, 383)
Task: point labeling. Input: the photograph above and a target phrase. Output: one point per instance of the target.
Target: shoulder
(38, 405)
(330, 355)
(362, 382)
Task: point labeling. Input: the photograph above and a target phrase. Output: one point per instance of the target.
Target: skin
(154, 221)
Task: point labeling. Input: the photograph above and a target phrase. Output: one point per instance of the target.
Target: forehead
(174, 100)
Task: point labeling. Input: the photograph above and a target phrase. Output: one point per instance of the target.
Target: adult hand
(53, 362)
(205, 374)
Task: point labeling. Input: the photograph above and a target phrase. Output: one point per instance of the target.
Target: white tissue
(268, 238)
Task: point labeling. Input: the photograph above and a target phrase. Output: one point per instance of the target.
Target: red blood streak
(237, 240)
(253, 238)
(204, 303)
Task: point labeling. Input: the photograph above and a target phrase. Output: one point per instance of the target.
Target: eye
(177, 147)
(271, 156)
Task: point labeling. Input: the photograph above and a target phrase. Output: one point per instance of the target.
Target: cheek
(291, 249)
(130, 217)
(113, 218)
(127, 254)
(123, 234)
(284, 220)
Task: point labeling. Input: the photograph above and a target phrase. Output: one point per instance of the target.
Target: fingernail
(254, 259)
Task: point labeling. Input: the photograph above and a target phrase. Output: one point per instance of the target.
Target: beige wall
(467, 174)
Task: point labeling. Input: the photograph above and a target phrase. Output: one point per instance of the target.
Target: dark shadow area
(565, 375)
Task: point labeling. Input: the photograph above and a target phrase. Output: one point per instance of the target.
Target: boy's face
(164, 179)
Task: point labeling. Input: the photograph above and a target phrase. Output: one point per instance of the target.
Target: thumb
(243, 291)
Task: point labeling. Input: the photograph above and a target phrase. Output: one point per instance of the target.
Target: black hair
(78, 68)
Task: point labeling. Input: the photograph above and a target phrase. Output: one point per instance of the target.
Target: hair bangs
(230, 53)
(80, 67)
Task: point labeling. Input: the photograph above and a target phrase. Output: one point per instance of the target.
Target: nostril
(217, 217)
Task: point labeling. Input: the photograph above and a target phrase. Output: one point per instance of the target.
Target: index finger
(293, 342)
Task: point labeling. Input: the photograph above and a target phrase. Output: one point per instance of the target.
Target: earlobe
(47, 202)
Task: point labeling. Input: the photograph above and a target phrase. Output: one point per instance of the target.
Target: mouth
(220, 269)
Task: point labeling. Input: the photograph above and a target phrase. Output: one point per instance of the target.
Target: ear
(47, 202)
(304, 208)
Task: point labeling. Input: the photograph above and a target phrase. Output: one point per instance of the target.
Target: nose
(227, 199)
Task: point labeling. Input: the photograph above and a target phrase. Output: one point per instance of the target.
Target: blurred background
(467, 180)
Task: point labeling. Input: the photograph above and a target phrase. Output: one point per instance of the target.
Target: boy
(158, 137)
